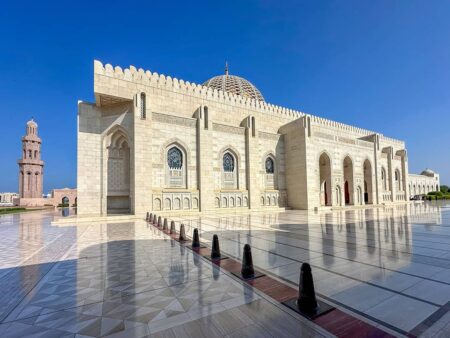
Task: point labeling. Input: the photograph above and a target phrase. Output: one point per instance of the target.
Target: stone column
(301, 166)
(405, 183)
(252, 162)
(377, 170)
(390, 173)
(205, 180)
(141, 157)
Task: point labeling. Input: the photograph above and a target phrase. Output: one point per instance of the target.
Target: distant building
(64, 196)
(31, 175)
(7, 198)
(31, 167)
(424, 183)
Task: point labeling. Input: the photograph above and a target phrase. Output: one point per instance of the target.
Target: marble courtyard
(385, 268)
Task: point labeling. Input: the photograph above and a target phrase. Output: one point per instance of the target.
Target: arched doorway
(368, 195)
(325, 180)
(65, 201)
(118, 180)
(348, 179)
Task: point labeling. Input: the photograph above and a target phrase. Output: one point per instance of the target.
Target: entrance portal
(347, 193)
(348, 179)
(368, 195)
(118, 193)
(325, 180)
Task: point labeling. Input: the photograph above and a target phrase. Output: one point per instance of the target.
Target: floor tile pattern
(390, 265)
(123, 280)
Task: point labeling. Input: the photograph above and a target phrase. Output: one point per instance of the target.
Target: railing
(400, 196)
(387, 197)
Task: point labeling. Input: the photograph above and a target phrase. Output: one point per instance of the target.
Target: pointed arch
(325, 179)
(347, 165)
(117, 146)
(269, 164)
(368, 185)
(383, 179)
(229, 166)
(398, 180)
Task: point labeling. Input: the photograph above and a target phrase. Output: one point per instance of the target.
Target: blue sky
(380, 65)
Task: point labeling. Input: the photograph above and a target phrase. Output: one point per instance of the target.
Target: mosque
(151, 142)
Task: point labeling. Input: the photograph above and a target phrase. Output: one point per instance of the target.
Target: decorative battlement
(338, 125)
(159, 80)
(148, 78)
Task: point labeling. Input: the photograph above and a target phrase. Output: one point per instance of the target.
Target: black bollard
(306, 303)
(215, 251)
(150, 217)
(159, 222)
(146, 217)
(306, 294)
(195, 239)
(182, 237)
(172, 227)
(154, 219)
(165, 224)
(247, 270)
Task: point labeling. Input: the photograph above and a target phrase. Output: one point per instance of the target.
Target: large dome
(427, 172)
(234, 84)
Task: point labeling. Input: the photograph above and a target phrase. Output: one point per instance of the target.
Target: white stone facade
(154, 143)
(7, 198)
(427, 181)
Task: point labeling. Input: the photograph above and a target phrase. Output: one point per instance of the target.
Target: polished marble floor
(124, 280)
(389, 265)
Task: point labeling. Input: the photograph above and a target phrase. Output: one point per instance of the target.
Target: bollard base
(198, 247)
(322, 308)
(221, 258)
(256, 275)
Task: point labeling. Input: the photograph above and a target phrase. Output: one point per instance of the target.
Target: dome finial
(226, 67)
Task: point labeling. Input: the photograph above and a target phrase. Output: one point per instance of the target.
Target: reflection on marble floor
(121, 280)
(391, 264)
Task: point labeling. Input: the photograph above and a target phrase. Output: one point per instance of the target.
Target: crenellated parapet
(338, 125)
(148, 78)
(161, 81)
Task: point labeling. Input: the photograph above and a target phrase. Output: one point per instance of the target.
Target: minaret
(30, 166)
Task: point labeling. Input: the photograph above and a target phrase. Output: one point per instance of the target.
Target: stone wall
(156, 112)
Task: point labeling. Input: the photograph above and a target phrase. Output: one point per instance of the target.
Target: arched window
(205, 116)
(29, 153)
(35, 154)
(229, 171)
(398, 181)
(176, 168)
(143, 107)
(383, 179)
(175, 158)
(228, 163)
(269, 166)
(36, 175)
(30, 184)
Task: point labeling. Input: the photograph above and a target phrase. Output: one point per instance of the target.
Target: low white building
(424, 183)
(7, 198)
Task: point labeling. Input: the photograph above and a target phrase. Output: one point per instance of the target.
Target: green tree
(445, 189)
